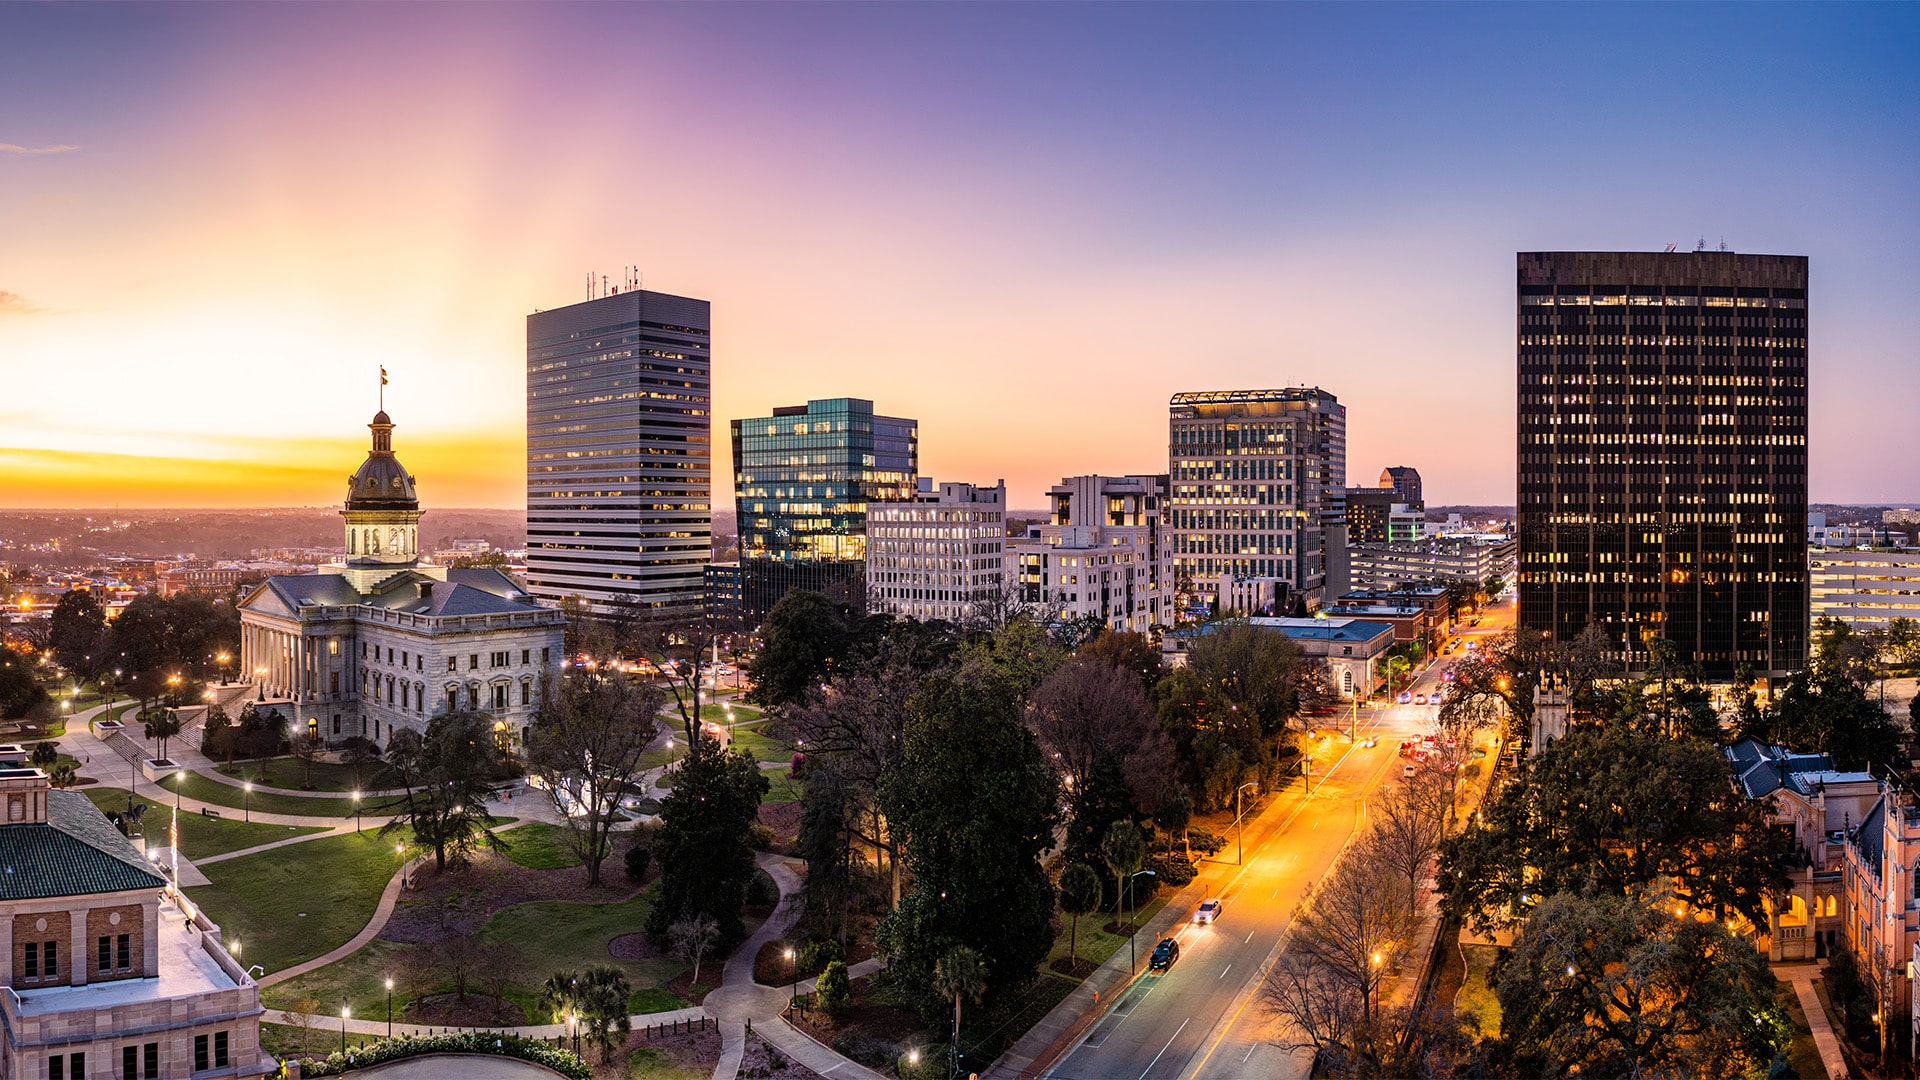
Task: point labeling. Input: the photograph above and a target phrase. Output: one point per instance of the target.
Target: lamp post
(793, 977)
(356, 811)
(389, 1006)
(179, 781)
(401, 853)
(246, 802)
(343, 1023)
(1130, 927)
(1239, 831)
(260, 681)
(223, 657)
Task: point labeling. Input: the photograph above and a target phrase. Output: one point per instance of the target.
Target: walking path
(1801, 976)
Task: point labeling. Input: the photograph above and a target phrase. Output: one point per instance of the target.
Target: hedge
(565, 1062)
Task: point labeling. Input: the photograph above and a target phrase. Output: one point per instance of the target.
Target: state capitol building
(381, 641)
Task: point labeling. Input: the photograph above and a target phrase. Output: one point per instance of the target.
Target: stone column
(77, 956)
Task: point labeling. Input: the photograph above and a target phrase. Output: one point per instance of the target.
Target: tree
(77, 633)
(586, 634)
(1327, 983)
(587, 746)
(1614, 986)
(1129, 652)
(140, 635)
(1618, 811)
(1088, 708)
(481, 560)
(1409, 823)
(1014, 660)
(703, 843)
(977, 806)
(691, 937)
(1824, 709)
(20, 692)
(1228, 709)
(803, 634)
(217, 734)
(62, 775)
(1079, 895)
(960, 974)
(596, 999)
(1093, 806)
(162, 725)
(1123, 849)
(1173, 815)
(683, 654)
(302, 1016)
(305, 748)
(835, 989)
(45, 753)
(448, 778)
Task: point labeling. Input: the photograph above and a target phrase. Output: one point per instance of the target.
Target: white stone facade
(1864, 588)
(1103, 555)
(940, 555)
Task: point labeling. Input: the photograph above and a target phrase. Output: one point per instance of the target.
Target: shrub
(816, 955)
(1204, 839)
(638, 857)
(565, 1062)
(761, 889)
(760, 838)
(1172, 870)
(835, 990)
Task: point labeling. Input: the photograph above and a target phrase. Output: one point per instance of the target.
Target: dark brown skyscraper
(1663, 453)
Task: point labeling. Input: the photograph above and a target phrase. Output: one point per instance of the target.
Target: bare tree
(1409, 823)
(1089, 708)
(305, 749)
(301, 1016)
(587, 745)
(691, 937)
(499, 965)
(684, 654)
(1328, 981)
(856, 728)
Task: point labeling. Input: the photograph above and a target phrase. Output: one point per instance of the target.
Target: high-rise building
(1253, 473)
(1663, 453)
(802, 479)
(938, 555)
(620, 453)
(1102, 554)
(1369, 511)
(1405, 482)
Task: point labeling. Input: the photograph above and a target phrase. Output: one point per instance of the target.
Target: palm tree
(601, 1001)
(1079, 894)
(959, 974)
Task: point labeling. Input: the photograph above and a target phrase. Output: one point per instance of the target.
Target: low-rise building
(107, 970)
(1103, 554)
(1433, 561)
(1821, 534)
(1354, 650)
(1864, 588)
(1820, 804)
(1880, 906)
(939, 555)
(1416, 614)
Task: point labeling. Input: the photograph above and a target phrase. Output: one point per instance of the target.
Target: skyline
(222, 221)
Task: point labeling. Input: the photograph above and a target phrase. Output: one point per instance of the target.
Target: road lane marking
(1276, 892)
(1163, 1050)
(1223, 973)
(1243, 1060)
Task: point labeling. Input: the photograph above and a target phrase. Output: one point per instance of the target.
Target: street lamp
(793, 977)
(389, 1006)
(400, 852)
(246, 802)
(179, 781)
(343, 1023)
(1239, 831)
(260, 680)
(356, 811)
(223, 657)
(1130, 926)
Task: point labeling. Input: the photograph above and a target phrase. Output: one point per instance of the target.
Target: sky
(1025, 225)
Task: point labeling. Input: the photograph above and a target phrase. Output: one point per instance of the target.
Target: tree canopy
(702, 845)
(586, 744)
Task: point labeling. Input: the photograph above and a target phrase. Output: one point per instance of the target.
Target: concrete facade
(1103, 554)
(940, 555)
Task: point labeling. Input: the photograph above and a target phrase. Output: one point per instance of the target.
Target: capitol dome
(382, 483)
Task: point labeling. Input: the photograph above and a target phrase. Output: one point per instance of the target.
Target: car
(1373, 741)
(1451, 645)
(1419, 699)
(1165, 952)
(1406, 697)
(1209, 910)
(1472, 644)
(1406, 770)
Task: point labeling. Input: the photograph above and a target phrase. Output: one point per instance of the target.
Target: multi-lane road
(1201, 1019)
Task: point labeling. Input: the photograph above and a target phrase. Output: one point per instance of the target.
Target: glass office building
(620, 453)
(802, 479)
(1663, 453)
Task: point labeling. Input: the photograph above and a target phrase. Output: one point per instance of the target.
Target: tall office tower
(802, 479)
(1101, 555)
(1405, 482)
(620, 453)
(1369, 511)
(1663, 453)
(939, 555)
(1252, 473)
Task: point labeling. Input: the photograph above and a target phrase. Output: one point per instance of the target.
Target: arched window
(350, 539)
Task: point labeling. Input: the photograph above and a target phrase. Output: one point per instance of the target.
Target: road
(1201, 1018)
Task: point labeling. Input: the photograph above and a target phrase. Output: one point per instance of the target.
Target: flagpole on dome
(383, 388)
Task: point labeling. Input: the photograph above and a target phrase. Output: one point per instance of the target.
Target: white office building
(1103, 554)
(1864, 588)
(940, 555)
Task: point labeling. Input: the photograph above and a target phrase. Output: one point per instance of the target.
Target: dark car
(1164, 954)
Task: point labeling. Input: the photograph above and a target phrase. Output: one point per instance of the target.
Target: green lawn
(782, 787)
(662, 755)
(286, 772)
(556, 935)
(1097, 945)
(1802, 1053)
(742, 714)
(213, 791)
(539, 845)
(761, 747)
(200, 836)
(1475, 1003)
(361, 978)
(295, 903)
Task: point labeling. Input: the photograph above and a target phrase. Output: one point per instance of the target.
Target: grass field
(199, 836)
(360, 978)
(1096, 944)
(760, 746)
(539, 845)
(555, 935)
(219, 794)
(782, 788)
(1475, 1003)
(293, 904)
(286, 772)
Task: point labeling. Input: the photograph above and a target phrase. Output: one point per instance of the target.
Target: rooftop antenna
(1672, 245)
(1723, 243)
(1702, 245)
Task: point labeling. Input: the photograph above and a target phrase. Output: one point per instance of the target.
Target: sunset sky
(1025, 225)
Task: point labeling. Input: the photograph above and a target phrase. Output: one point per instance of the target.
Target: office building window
(220, 1050)
(151, 1052)
(200, 1056)
(130, 1063)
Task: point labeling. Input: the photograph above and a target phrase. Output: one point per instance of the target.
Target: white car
(1208, 911)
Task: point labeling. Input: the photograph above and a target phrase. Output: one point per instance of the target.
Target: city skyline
(222, 221)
